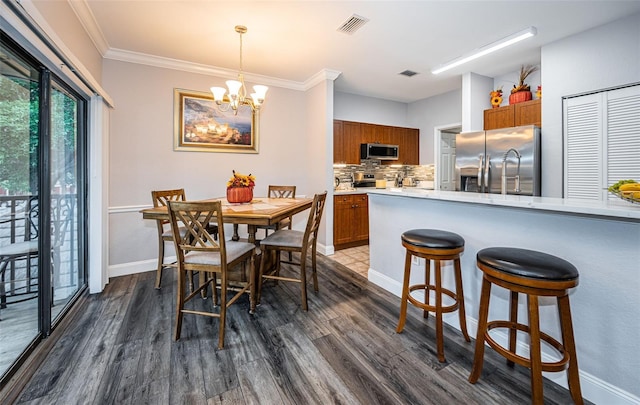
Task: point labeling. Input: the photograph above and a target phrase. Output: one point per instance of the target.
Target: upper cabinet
(348, 135)
(513, 115)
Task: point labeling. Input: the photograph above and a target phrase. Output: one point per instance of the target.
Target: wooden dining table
(260, 211)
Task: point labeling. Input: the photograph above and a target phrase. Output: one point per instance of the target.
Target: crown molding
(191, 67)
(88, 21)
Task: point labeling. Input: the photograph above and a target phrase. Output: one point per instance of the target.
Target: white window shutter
(623, 135)
(602, 142)
(583, 146)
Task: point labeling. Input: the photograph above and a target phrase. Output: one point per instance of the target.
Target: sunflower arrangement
(241, 180)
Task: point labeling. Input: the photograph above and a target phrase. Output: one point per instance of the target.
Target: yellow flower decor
(496, 97)
(241, 180)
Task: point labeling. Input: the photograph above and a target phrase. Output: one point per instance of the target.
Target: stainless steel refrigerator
(499, 161)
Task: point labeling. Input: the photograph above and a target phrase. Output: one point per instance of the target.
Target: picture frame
(200, 126)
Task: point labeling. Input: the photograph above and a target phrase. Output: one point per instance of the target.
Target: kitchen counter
(600, 238)
(618, 209)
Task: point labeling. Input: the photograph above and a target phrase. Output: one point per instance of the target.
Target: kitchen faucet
(504, 171)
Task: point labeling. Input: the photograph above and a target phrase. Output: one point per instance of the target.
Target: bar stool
(436, 245)
(534, 274)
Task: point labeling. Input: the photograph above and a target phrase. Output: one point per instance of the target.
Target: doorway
(445, 152)
(42, 202)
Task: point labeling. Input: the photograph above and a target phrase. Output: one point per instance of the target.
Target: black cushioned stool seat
(534, 274)
(433, 245)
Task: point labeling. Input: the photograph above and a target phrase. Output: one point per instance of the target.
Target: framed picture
(200, 126)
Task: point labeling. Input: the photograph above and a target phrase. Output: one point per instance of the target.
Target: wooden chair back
(282, 191)
(197, 250)
(194, 217)
(313, 223)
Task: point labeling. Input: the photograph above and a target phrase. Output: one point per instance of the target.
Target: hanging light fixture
(237, 96)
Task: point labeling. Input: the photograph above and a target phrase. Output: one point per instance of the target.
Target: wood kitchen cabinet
(513, 115)
(350, 220)
(348, 135)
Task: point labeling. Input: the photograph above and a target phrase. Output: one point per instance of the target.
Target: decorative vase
(240, 194)
(519, 97)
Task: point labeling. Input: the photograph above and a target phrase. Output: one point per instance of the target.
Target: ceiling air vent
(353, 24)
(408, 73)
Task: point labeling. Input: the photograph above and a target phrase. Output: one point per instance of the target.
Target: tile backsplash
(387, 172)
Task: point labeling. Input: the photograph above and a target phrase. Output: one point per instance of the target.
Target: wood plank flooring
(344, 350)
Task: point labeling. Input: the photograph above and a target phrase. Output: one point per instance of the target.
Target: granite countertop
(617, 208)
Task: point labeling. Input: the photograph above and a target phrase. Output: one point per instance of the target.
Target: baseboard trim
(593, 388)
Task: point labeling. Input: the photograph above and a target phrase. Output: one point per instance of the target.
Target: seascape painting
(201, 126)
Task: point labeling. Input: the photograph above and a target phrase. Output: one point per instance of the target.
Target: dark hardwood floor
(344, 350)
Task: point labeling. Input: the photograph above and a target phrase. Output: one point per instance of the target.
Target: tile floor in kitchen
(357, 259)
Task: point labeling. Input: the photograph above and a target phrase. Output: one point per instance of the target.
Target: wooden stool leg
(513, 319)
(460, 300)
(573, 376)
(483, 316)
(537, 396)
(427, 281)
(405, 292)
(439, 337)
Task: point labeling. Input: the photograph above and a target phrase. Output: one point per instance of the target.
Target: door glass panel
(66, 275)
(19, 206)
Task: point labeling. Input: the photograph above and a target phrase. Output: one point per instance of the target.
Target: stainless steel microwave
(378, 151)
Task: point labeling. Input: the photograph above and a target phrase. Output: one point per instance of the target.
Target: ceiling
(288, 42)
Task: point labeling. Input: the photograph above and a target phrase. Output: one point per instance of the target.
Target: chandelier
(237, 96)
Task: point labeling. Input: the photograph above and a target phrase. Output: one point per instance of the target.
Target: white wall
(143, 159)
(432, 112)
(351, 107)
(606, 56)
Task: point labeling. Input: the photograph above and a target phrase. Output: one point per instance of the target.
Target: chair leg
(303, 280)
(427, 281)
(214, 289)
(263, 264)
(478, 357)
(460, 298)
(573, 373)
(160, 263)
(179, 304)
(223, 310)
(314, 273)
(439, 332)
(537, 396)
(405, 293)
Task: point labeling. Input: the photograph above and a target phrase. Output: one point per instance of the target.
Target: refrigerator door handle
(487, 173)
(480, 166)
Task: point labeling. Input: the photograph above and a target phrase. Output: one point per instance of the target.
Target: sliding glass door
(42, 189)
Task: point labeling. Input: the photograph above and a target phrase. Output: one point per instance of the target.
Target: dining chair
(291, 240)
(25, 249)
(279, 192)
(198, 251)
(165, 234)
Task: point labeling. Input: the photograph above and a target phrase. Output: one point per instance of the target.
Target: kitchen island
(602, 239)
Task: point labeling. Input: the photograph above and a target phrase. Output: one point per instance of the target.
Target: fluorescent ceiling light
(504, 42)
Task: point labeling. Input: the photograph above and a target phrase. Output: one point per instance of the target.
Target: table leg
(252, 229)
(235, 236)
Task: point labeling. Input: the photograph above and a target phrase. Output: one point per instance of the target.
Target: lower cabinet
(350, 220)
